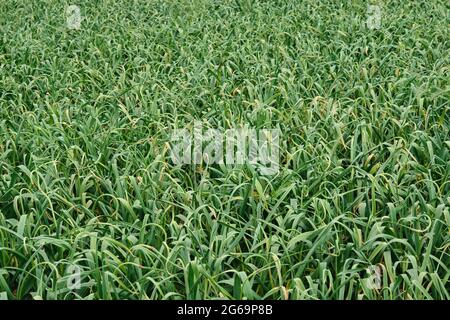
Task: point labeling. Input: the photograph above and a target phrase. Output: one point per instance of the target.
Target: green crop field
(93, 206)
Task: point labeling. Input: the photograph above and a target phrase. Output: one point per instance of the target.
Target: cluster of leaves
(86, 178)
